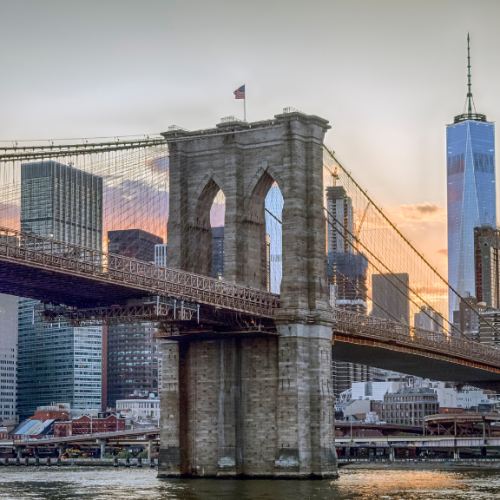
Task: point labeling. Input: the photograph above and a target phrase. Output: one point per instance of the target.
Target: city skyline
(397, 109)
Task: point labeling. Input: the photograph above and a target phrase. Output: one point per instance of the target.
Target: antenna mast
(469, 109)
(469, 84)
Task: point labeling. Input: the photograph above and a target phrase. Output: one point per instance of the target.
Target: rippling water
(102, 483)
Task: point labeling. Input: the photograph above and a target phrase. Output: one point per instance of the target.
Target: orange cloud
(423, 212)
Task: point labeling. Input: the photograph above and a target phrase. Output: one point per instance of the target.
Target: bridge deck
(58, 272)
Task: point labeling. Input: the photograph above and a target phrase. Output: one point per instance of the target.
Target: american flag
(240, 93)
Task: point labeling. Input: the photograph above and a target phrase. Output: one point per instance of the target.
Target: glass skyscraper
(57, 362)
(470, 154)
(132, 348)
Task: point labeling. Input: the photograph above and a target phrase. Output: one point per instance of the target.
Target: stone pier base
(248, 406)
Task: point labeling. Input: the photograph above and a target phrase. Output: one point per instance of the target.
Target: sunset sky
(388, 75)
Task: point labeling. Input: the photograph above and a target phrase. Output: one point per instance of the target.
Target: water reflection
(97, 483)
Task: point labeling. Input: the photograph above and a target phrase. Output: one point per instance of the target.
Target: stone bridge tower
(241, 404)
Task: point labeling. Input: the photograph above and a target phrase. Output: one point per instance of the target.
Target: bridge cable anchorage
(394, 245)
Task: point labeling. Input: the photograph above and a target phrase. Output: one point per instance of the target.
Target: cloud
(423, 212)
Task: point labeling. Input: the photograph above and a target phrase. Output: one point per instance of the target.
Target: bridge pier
(241, 405)
(219, 407)
(305, 406)
(237, 401)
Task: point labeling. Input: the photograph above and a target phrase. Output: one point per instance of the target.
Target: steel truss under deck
(184, 303)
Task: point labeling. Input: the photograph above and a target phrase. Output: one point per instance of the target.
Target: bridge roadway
(57, 272)
(416, 442)
(124, 437)
(95, 285)
(394, 441)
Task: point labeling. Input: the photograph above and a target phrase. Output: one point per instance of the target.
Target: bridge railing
(55, 255)
(347, 322)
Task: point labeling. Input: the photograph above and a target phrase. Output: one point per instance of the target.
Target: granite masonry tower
(240, 403)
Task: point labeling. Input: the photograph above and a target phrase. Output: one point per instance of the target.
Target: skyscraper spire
(469, 84)
(469, 112)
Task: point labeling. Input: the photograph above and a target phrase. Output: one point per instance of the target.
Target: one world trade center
(470, 153)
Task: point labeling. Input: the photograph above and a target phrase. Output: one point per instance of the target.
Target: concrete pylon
(102, 442)
(241, 404)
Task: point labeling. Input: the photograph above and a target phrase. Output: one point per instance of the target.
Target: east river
(103, 483)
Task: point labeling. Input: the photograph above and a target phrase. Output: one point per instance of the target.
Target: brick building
(51, 415)
(86, 425)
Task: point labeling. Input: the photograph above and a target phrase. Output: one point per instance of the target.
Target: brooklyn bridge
(247, 355)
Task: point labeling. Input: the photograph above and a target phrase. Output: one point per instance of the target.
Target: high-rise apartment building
(470, 154)
(346, 267)
(391, 297)
(346, 275)
(57, 362)
(132, 349)
(487, 265)
(8, 357)
(134, 243)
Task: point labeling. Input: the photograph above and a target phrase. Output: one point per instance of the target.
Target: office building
(133, 243)
(218, 252)
(8, 358)
(132, 349)
(57, 362)
(390, 294)
(470, 155)
(133, 353)
(428, 319)
(140, 408)
(466, 318)
(409, 406)
(161, 254)
(487, 265)
(489, 327)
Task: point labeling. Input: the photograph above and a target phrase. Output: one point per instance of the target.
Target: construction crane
(357, 228)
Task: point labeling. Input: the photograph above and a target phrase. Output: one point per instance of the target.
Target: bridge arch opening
(204, 248)
(217, 223)
(265, 234)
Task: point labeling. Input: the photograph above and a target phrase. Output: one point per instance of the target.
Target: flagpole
(245, 105)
